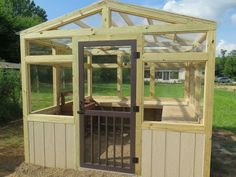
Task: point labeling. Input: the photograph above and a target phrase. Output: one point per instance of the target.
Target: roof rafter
(82, 24)
(126, 18)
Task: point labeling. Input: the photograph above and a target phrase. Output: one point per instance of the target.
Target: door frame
(133, 74)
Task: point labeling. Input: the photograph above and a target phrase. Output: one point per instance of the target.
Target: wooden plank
(119, 75)
(70, 146)
(82, 24)
(152, 80)
(175, 57)
(56, 85)
(158, 153)
(183, 127)
(187, 84)
(48, 59)
(51, 118)
(60, 145)
(39, 143)
(49, 131)
(25, 94)
(75, 79)
(137, 30)
(199, 155)
(127, 20)
(106, 17)
(89, 75)
(146, 152)
(187, 154)
(172, 154)
(208, 99)
(197, 90)
(31, 143)
(140, 103)
(191, 84)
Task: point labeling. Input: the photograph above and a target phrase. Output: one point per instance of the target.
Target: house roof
(124, 10)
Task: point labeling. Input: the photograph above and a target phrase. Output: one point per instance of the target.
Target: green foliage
(226, 65)
(10, 92)
(15, 16)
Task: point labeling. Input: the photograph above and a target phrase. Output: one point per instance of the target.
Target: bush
(10, 95)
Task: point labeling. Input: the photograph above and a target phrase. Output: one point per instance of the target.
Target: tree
(15, 16)
(230, 67)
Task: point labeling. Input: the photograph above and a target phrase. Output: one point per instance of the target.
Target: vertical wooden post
(152, 80)
(186, 84)
(197, 89)
(25, 77)
(140, 103)
(119, 74)
(90, 75)
(191, 84)
(75, 77)
(56, 85)
(208, 99)
(56, 81)
(106, 17)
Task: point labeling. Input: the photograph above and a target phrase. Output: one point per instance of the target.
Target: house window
(166, 75)
(174, 75)
(158, 75)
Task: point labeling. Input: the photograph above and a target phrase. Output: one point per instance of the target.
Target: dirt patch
(11, 147)
(223, 154)
(28, 170)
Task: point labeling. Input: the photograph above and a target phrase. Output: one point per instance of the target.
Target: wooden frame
(111, 31)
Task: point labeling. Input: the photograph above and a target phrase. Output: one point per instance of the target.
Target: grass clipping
(29, 170)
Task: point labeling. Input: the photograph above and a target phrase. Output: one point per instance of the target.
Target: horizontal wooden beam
(183, 127)
(48, 59)
(51, 118)
(175, 57)
(151, 29)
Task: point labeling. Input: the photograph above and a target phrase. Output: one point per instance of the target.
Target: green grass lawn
(225, 110)
(224, 101)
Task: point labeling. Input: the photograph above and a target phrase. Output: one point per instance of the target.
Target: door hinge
(137, 55)
(135, 108)
(135, 160)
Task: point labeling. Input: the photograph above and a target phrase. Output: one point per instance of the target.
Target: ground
(223, 152)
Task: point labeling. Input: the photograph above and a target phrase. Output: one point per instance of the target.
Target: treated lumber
(151, 29)
(208, 99)
(106, 17)
(49, 59)
(119, 75)
(89, 75)
(82, 24)
(152, 79)
(175, 57)
(127, 20)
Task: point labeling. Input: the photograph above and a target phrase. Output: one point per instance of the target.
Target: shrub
(10, 95)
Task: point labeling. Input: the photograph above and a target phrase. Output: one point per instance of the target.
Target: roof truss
(105, 9)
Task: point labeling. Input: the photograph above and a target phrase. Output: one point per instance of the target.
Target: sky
(221, 11)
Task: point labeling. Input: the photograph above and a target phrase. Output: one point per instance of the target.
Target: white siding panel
(31, 142)
(60, 142)
(146, 152)
(70, 146)
(158, 153)
(187, 154)
(49, 145)
(39, 143)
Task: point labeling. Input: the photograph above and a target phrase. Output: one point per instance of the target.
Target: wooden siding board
(187, 154)
(158, 153)
(39, 143)
(172, 154)
(31, 142)
(199, 155)
(60, 145)
(49, 145)
(70, 146)
(146, 152)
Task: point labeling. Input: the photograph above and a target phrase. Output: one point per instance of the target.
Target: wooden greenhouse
(93, 97)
